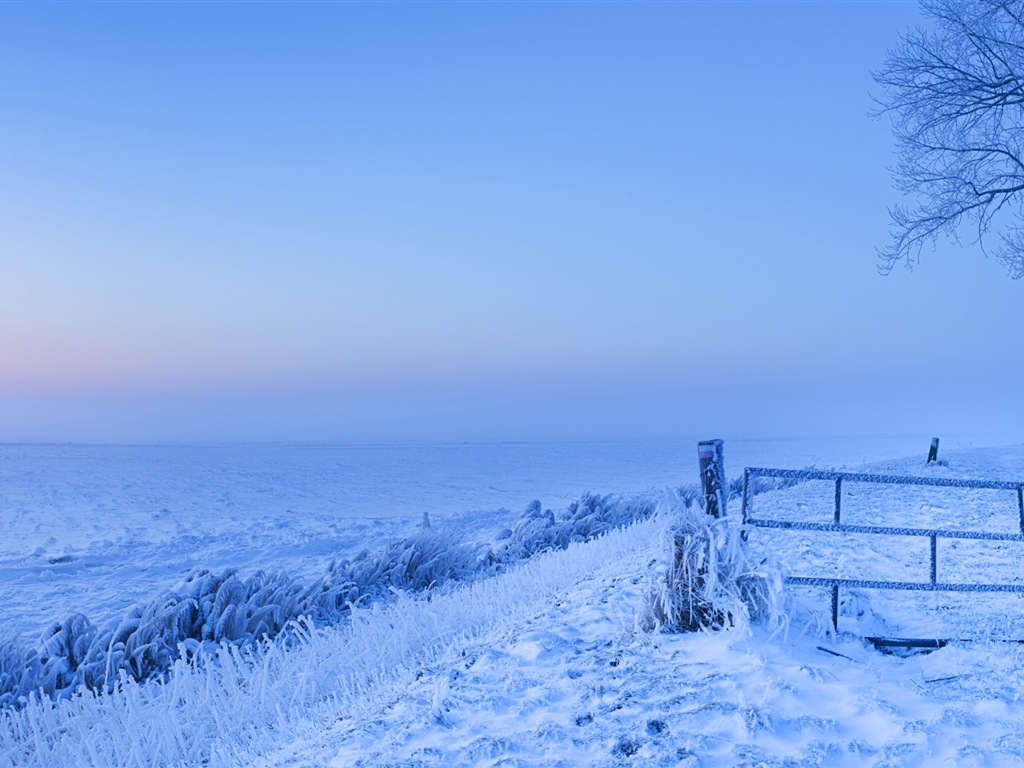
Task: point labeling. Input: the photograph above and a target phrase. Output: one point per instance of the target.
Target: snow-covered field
(545, 663)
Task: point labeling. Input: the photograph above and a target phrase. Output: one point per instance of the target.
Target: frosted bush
(64, 647)
(20, 672)
(709, 580)
(584, 519)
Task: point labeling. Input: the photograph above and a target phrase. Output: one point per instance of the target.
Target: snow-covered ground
(544, 664)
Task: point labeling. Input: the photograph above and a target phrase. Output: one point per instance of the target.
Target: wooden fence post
(712, 476)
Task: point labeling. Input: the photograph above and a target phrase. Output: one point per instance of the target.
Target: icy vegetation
(211, 708)
(211, 609)
(710, 580)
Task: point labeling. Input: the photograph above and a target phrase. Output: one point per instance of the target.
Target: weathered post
(712, 476)
(933, 452)
(688, 608)
(835, 607)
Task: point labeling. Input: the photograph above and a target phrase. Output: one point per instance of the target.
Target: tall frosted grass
(208, 609)
(709, 580)
(211, 707)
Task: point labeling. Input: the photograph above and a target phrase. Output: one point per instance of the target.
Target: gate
(837, 526)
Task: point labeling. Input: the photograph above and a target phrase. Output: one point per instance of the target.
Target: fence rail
(860, 477)
(836, 526)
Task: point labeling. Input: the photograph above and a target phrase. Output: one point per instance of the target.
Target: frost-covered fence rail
(750, 474)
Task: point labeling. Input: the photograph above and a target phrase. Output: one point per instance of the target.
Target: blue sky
(352, 221)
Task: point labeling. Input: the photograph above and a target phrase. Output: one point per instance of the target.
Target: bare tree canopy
(955, 95)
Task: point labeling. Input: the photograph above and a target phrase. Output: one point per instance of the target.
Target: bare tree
(955, 95)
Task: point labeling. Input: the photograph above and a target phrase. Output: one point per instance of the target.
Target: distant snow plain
(545, 664)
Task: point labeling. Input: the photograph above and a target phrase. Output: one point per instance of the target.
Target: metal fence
(837, 526)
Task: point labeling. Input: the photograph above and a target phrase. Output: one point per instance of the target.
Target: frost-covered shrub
(423, 560)
(584, 519)
(20, 672)
(709, 580)
(64, 647)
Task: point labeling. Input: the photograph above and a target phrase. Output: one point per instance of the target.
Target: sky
(472, 221)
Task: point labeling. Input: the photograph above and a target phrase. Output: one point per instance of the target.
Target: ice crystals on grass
(208, 609)
(710, 579)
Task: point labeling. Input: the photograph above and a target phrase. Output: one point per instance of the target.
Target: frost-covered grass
(212, 609)
(213, 706)
(709, 579)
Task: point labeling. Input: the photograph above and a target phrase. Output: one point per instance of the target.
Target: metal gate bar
(934, 534)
